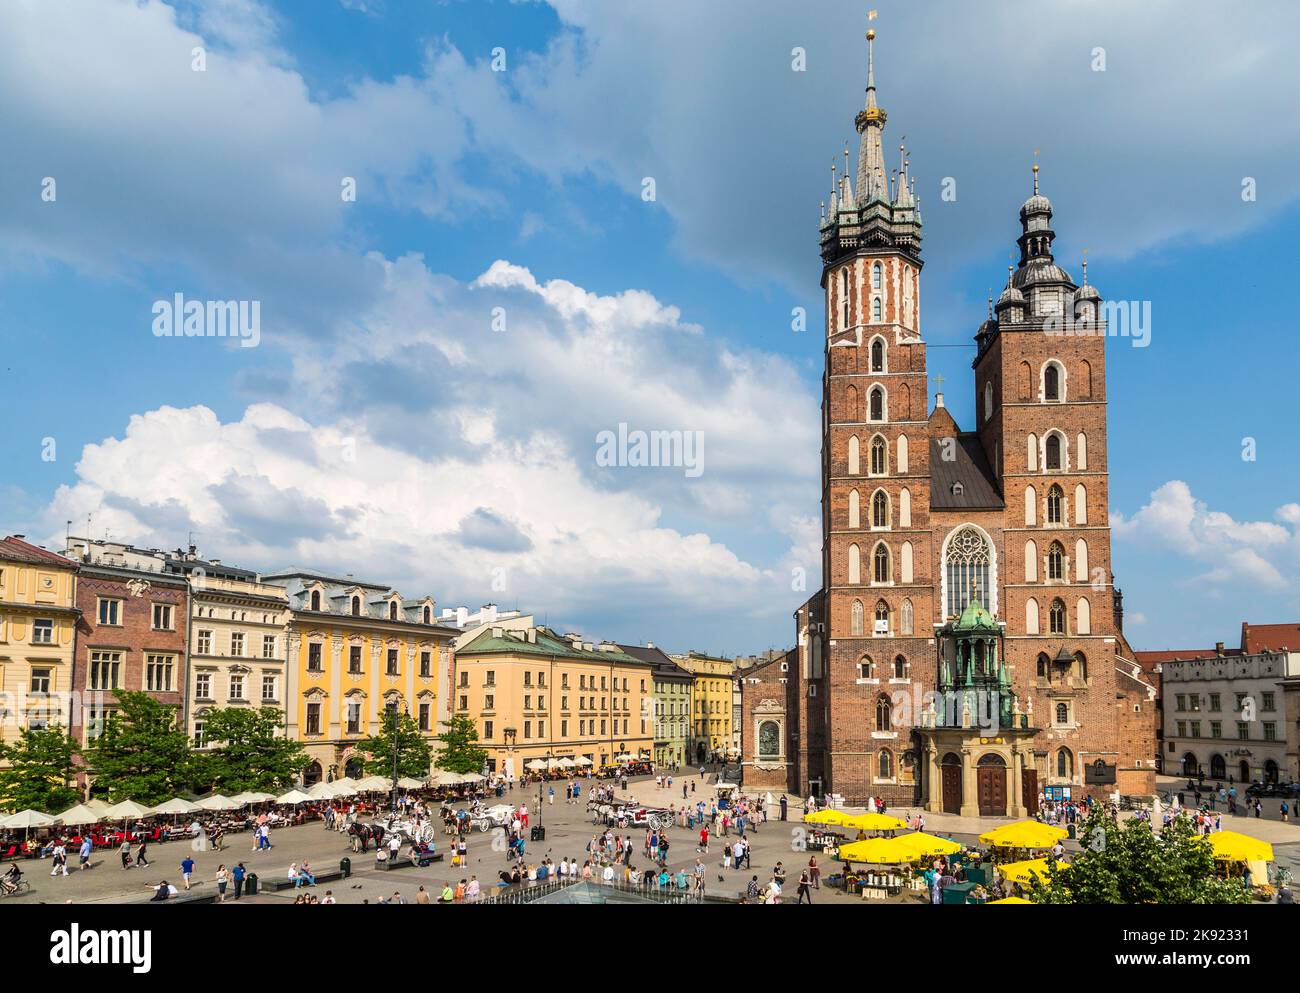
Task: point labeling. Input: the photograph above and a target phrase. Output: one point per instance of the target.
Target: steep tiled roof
(548, 644)
(16, 550)
(1269, 637)
(961, 464)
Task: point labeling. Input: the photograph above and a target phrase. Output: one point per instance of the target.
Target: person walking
(87, 846)
(140, 860)
(60, 860)
(223, 877)
(237, 875)
(125, 851)
(187, 870)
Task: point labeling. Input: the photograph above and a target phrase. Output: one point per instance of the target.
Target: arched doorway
(354, 768)
(950, 775)
(1218, 767)
(1243, 771)
(312, 774)
(1270, 771)
(991, 786)
(1190, 765)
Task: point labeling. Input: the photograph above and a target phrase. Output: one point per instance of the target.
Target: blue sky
(382, 427)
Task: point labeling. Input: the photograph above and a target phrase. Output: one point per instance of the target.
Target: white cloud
(1240, 555)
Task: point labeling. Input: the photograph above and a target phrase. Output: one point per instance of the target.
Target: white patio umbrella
(294, 797)
(411, 783)
(175, 806)
(125, 810)
(252, 796)
(566, 763)
(582, 760)
(374, 784)
(79, 816)
(342, 788)
(470, 777)
(98, 806)
(537, 765)
(27, 819)
(218, 802)
(441, 778)
(322, 791)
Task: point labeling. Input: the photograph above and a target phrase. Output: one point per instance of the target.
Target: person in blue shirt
(187, 869)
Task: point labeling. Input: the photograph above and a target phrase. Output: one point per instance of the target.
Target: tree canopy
(460, 750)
(251, 751)
(38, 768)
(141, 754)
(413, 753)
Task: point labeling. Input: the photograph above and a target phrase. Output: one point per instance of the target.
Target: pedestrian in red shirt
(704, 840)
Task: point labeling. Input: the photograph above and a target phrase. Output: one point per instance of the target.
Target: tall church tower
(875, 463)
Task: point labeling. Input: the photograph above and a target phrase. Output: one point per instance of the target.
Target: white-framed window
(162, 617)
(203, 686)
(105, 671)
(268, 686)
(237, 644)
(203, 642)
(110, 611)
(237, 686)
(159, 672)
(43, 631)
(268, 646)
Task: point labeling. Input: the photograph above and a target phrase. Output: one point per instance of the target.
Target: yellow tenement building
(711, 704)
(38, 623)
(537, 696)
(355, 649)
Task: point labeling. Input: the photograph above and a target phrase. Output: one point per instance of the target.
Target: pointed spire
(1085, 267)
(870, 123)
(990, 302)
(1035, 179)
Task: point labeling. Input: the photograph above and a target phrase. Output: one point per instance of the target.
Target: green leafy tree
(39, 767)
(251, 751)
(413, 753)
(142, 754)
(460, 750)
(1129, 863)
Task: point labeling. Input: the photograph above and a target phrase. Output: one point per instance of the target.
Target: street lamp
(393, 711)
(509, 735)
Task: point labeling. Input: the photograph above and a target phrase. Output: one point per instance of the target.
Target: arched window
(905, 562)
(1083, 616)
(902, 453)
(1031, 452)
(1044, 666)
(877, 276)
(879, 456)
(1062, 713)
(876, 310)
(428, 616)
(851, 404)
(1081, 665)
(855, 564)
(1052, 458)
(1055, 561)
(967, 561)
(1080, 561)
(900, 667)
(853, 455)
(1080, 505)
(1056, 618)
(877, 356)
(844, 297)
(1026, 380)
(1081, 451)
(1064, 760)
(879, 510)
(392, 610)
(866, 668)
(882, 618)
(988, 400)
(905, 617)
(315, 599)
(884, 715)
(1031, 506)
(1031, 616)
(1031, 561)
(1052, 382)
(356, 606)
(904, 508)
(1054, 499)
(886, 764)
(877, 404)
(855, 518)
(1085, 379)
(880, 564)
(856, 618)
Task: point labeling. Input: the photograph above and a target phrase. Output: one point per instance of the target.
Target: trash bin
(1072, 830)
(345, 866)
(250, 884)
(539, 833)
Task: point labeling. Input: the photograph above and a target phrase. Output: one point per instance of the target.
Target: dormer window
(315, 600)
(392, 610)
(428, 616)
(958, 489)
(356, 606)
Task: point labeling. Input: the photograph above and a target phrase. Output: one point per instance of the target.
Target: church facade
(965, 651)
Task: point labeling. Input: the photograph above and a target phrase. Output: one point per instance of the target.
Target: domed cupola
(1010, 307)
(1086, 303)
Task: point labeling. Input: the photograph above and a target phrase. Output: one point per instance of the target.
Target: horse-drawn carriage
(623, 814)
(497, 816)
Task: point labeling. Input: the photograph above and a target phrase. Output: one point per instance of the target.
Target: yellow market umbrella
(1012, 899)
(1231, 846)
(833, 818)
(872, 822)
(927, 844)
(876, 851)
(1024, 834)
(1025, 872)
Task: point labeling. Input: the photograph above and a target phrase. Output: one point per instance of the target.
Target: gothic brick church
(966, 650)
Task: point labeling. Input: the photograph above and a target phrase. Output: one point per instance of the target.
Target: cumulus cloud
(1241, 555)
